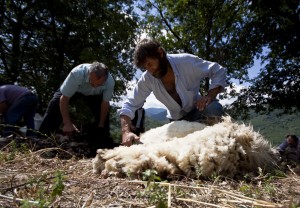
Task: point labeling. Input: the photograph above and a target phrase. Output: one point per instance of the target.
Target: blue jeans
(210, 115)
(24, 108)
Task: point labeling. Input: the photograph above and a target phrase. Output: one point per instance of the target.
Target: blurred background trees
(41, 41)
(234, 34)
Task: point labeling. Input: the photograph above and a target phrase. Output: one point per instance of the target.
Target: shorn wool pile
(191, 149)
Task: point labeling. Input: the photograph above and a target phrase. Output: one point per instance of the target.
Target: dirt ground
(44, 174)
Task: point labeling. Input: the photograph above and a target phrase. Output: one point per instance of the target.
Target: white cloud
(227, 101)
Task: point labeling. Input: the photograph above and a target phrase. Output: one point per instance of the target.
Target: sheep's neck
(169, 83)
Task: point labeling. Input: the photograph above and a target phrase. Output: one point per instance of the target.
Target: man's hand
(206, 100)
(128, 138)
(68, 129)
(203, 102)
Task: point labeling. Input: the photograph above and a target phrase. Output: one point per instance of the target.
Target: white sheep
(191, 149)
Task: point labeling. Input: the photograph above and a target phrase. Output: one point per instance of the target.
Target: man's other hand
(128, 138)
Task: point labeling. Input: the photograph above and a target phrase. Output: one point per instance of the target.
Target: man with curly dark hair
(174, 79)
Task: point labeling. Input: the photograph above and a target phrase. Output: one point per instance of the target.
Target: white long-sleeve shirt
(189, 70)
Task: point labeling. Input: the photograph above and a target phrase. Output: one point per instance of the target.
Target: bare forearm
(64, 109)
(214, 92)
(128, 137)
(104, 112)
(125, 123)
(206, 100)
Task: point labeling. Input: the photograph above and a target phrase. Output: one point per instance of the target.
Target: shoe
(7, 138)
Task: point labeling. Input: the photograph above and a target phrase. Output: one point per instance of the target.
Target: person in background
(175, 81)
(17, 103)
(91, 82)
(289, 149)
(138, 123)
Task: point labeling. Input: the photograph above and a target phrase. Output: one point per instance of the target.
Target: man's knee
(214, 109)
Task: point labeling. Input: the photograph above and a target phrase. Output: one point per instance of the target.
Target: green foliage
(80, 113)
(115, 126)
(151, 123)
(14, 149)
(209, 29)
(41, 41)
(276, 23)
(58, 185)
(274, 126)
(155, 194)
(150, 176)
(234, 33)
(246, 189)
(251, 190)
(278, 173)
(12, 153)
(43, 195)
(262, 184)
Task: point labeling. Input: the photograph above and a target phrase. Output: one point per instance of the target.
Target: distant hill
(158, 114)
(273, 127)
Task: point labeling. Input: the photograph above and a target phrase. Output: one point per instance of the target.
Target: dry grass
(27, 178)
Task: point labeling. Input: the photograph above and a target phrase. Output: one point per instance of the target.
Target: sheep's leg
(99, 162)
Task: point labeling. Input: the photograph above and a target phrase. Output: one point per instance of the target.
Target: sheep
(191, 149)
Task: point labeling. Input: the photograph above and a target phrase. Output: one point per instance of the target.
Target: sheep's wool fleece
(191, 149)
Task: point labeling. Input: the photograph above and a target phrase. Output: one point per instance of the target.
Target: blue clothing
(21, 103)
(11, 93)
(78, 81)
(284, 145)
(189, 71)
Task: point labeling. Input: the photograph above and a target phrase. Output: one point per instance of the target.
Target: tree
(277, 86)
(41, 41)
(206, 28)
(233, 33)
